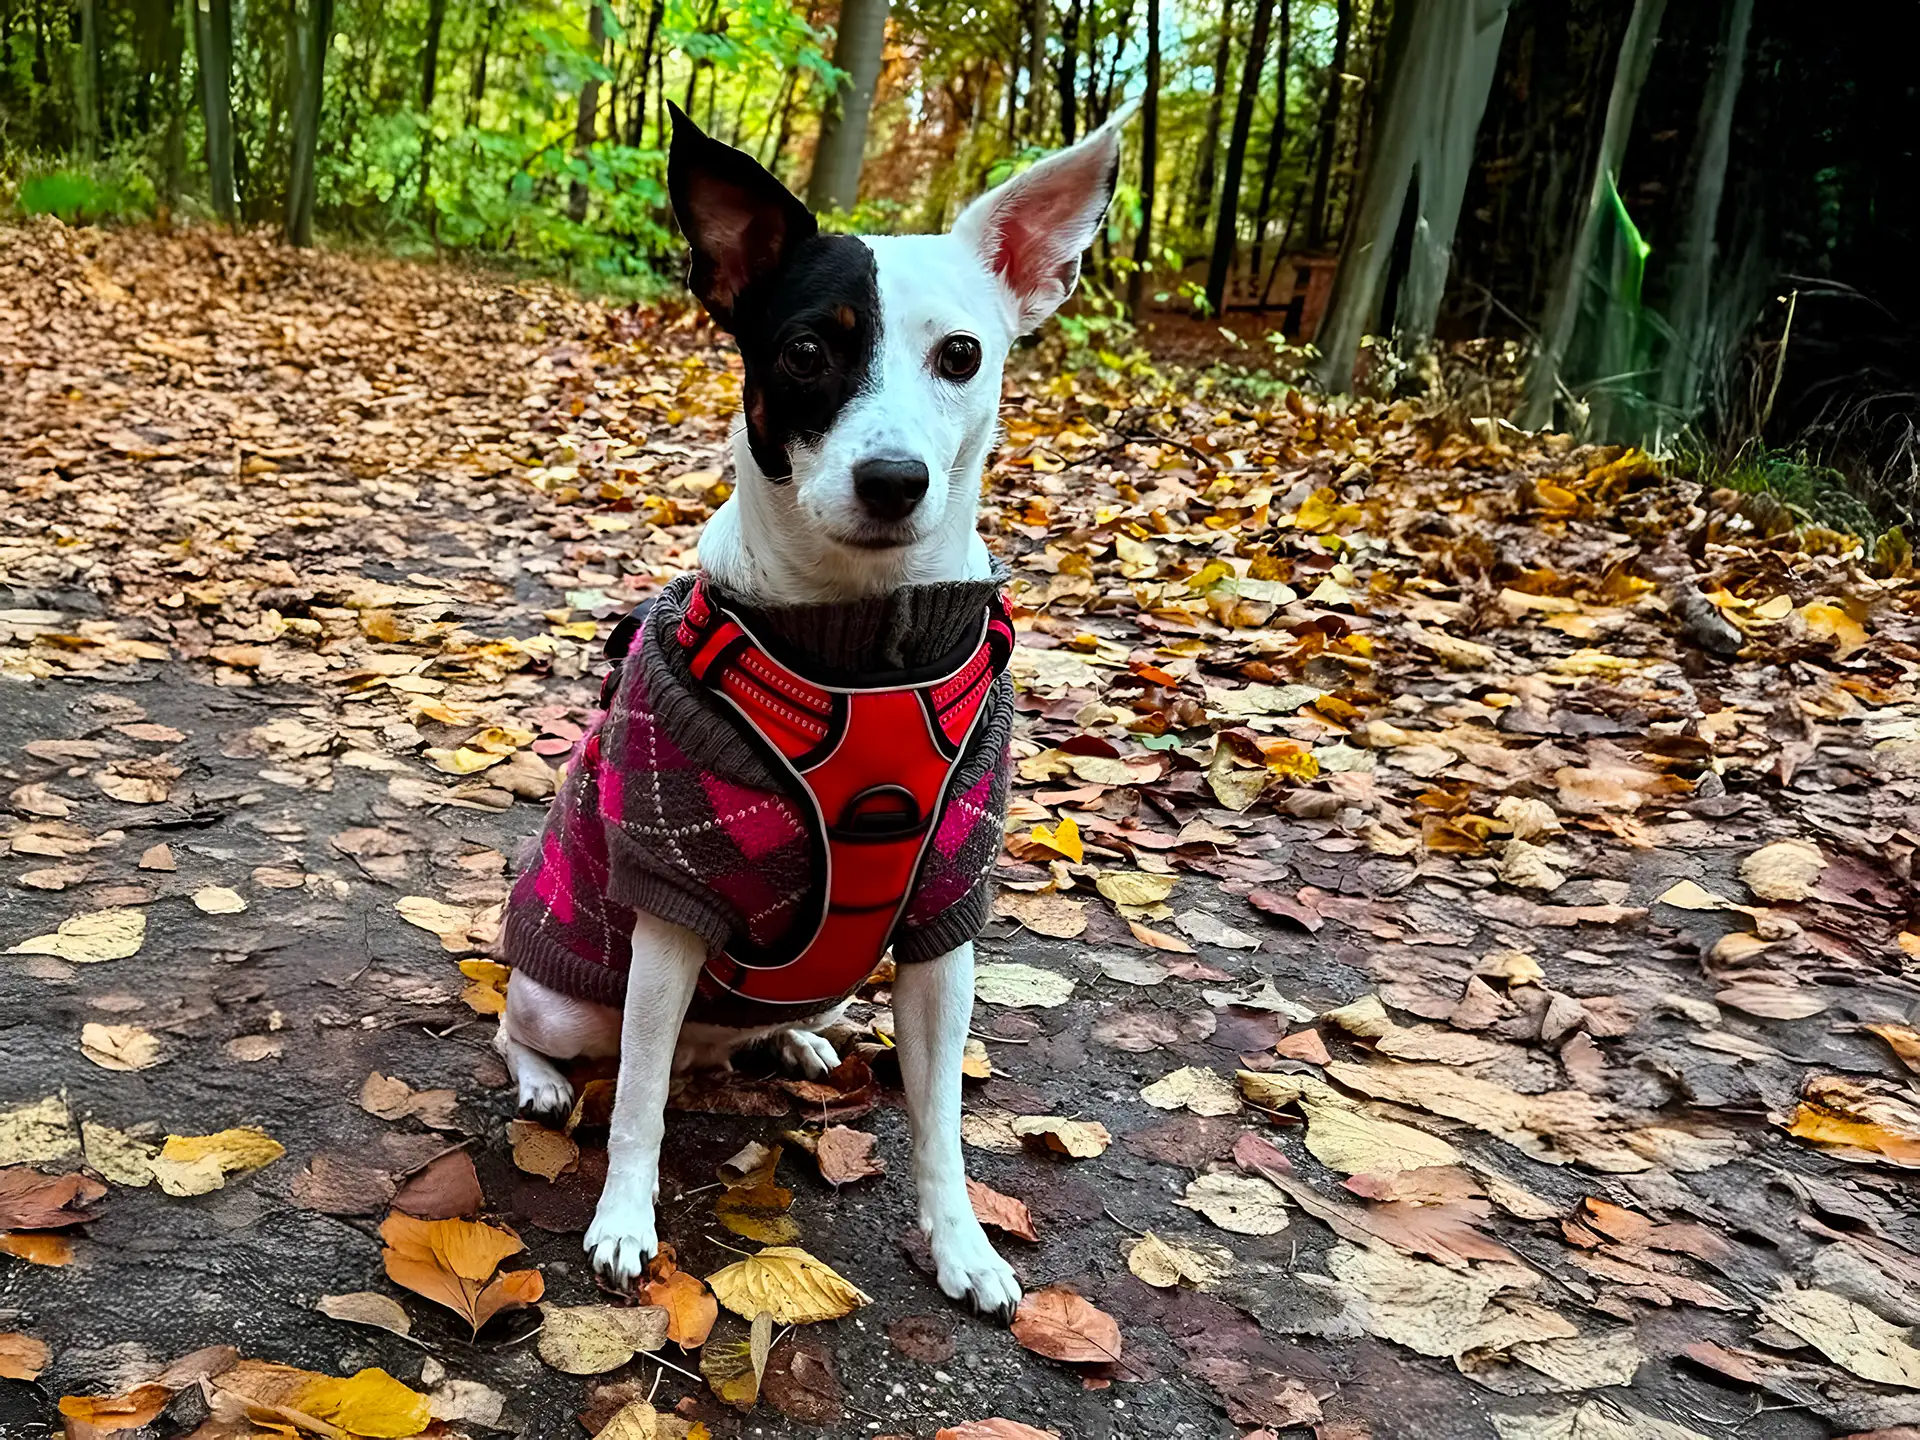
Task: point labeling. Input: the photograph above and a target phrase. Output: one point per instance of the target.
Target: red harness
(872, 759)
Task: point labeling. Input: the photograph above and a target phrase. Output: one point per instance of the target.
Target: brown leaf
(392, 1098)
(21, 1356)
(452, 1263)
(1003, 1212)
(445, 1188)
(690, 1306)
(846, 1155)
(31, 1201)
(995, 1430)
(1058, 1323)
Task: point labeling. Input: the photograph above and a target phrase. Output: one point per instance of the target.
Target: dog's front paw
(806, 1054)
(970, 1269)
(621, 1240)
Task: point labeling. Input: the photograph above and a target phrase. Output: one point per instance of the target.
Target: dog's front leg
(667, 959)
(932, 1003)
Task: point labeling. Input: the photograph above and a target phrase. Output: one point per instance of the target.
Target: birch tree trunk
(835, 182)
(1544, 379)
(1440, 61)
(315, 30)
(1149, 153)
(1226, 227)
(1688, 312)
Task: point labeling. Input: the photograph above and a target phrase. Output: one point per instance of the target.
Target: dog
(872, 375)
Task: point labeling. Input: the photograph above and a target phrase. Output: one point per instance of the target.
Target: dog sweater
(677, 804)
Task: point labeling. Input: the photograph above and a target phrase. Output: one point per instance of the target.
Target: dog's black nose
(890, 488)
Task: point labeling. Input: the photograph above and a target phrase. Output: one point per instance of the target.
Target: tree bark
(1200, 200)
(315, 32)
(86, 83)
(1276, 144)
(172, 156)
(835, 182)
(1226, 225)
(1093, 109)
(1330, 127)
(1440, 60)
(429, 79)
(1036, 129)
(1149, 151)
(1544, 379)
(586, 125)
(1069, 58)
(1688, 312)
(637, 117)
(479, 90)
(213, 49)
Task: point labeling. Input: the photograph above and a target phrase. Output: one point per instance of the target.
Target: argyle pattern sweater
(667, 809)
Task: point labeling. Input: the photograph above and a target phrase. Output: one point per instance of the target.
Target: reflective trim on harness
(873, 764)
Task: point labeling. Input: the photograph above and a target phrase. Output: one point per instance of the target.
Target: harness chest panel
(873, 761)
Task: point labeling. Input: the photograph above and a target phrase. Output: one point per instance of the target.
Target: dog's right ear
(741, 222)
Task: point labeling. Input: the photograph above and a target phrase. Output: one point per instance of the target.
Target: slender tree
(478, 91)
(1544, 378)
(1069, 58)
(586, 124)
(1203, 176)
(1149, 154)
(835, 182)
(1093, 108)
(1329, 127)
(1226, 228)
(1036, 70)
(1276, 144)
(429, 78)
(213, 51)
(637, 116)
(314, 33)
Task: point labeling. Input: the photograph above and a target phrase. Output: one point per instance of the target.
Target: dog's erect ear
(741, 222)
(1032, 229)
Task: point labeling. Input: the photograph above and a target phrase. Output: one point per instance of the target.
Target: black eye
(803, 358)
(959, 357)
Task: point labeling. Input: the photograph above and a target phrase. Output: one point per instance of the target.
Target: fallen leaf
(1020, 987)
(1847, 1333)
(1438, 1311)
(1849, 1119)
(1134, 887)
(593, 1339)
(690, 1306)
(87, 939)
(452, 1263)
(1003, 1212)
(1061, 1325)
(1787, 870)
(119, 1047)
(1045, 913)
(1164, 1265)
(749, 1167)
(37, 1247)
(734, 1369)
(1079, 1139)
(792, 1285)
(32, 1201)
(1063, 839)
(21, 1356)
(391, 1098)
(1158, 939)
(1194, 1088)
(370, 1403)
(366, 1307)
(540, 1151)
(1244, 1204)
(1210, 930)
(219, 900)
(759, 1213)
(1343, 1136)
(846, 1155)
(994, 1430)
(1904, 1041)
(38, 1133)
(1592, 1420)
(196, 1164)
(450, 923)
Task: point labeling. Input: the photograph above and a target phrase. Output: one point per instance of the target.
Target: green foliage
(85, 194)
(1810, 492)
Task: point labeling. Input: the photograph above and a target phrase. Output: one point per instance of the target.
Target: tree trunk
(314, 35)
(637, 117)
(1440, 60)
(585, 126)
(1226, 225)
(1330, 127)
(213, 48)
(1069, 57)
(1276, 144)
(1689, 310)
(479, 90)
(1149, 151)
(1544, 380)
(1200, 199)
(172, 157)
(1036, 73)
(1093, 109)
(86, 83)
(835, 182)
(429, 78)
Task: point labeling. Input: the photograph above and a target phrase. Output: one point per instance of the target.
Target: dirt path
(1397, 787)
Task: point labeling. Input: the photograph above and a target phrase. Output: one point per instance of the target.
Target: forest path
(1395, 785)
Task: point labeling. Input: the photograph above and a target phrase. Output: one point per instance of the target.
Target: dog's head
(873, 364)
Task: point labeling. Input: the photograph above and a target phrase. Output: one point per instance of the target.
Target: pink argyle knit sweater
(667, 809)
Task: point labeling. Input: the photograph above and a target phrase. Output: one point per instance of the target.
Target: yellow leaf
(461, 761)
(119, 1047)
(370, 1403)
(540, 1151)
(690, 1306)
(95, 936)
(593, 1339)
(788, 1283)
(1164, 1266)
(450, 1262)
(451, 923)
(1080, 1139)
(219, 900)
(735, 1369)
(1830, 622)
(1063, 839)
(487, 995)
(1134, 887)
(759, 1213)
(196, 1164)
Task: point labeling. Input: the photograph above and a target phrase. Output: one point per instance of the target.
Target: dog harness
(873, 761)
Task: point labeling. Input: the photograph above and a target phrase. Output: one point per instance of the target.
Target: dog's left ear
(1032, 230)
(741, 222)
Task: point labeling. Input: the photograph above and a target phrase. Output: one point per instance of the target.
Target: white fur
(789, 544)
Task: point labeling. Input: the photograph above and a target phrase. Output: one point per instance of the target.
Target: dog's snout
(890, 488)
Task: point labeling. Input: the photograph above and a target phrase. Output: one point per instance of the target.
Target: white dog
(872, 386)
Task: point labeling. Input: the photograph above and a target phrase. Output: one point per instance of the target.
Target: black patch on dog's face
(826, 294)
